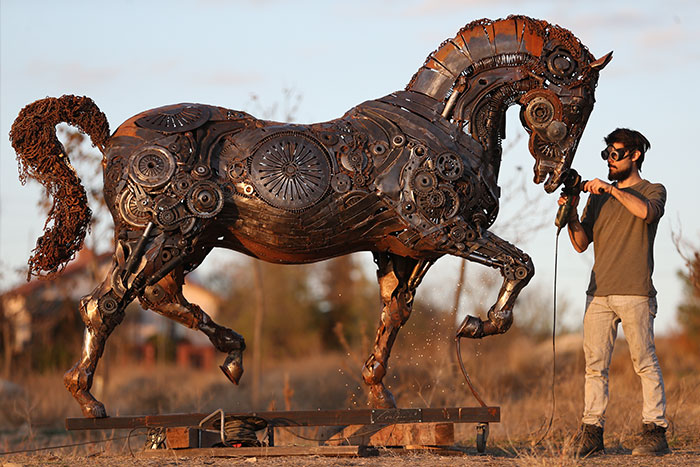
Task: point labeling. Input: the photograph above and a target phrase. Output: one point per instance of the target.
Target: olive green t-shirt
(623, 243)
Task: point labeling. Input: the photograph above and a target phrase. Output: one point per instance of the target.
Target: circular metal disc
(152, 167)
(177, 118)
(131, 211)
(449, 166)
(290, 171)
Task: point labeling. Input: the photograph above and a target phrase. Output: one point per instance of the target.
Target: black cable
(554, 330)
(465, 374)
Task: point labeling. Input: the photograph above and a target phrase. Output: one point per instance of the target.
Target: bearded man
(621, 219)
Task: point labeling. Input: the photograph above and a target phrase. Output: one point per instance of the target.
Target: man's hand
(636, 206)
(597, 186)
(578, 236)
(573, 213)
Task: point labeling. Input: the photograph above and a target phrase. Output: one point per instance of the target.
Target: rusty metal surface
(411, 177)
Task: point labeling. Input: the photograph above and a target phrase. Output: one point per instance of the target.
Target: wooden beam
(333, 451)
(412, 434)
(302, 418)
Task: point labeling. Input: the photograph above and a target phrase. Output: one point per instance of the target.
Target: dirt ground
(387, 458)
(34, 418)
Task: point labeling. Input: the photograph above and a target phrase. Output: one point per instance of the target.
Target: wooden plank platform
(302, 418)
(420, 434)
(333, 451)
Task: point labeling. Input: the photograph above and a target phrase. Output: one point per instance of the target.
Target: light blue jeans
(636, 313)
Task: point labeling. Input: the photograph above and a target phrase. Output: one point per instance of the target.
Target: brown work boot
(653, 441)
(588, 440)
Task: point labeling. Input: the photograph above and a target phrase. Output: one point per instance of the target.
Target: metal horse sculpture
(410, 177)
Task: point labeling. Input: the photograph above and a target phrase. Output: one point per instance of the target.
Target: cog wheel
(205, 199)
(176, 119)
(424, 181)
(449, 165)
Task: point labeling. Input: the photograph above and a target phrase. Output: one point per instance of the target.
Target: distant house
(30, 311)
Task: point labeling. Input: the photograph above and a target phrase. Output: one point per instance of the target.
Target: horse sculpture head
(490, 65)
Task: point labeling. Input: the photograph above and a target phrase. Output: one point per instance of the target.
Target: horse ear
(602, 61)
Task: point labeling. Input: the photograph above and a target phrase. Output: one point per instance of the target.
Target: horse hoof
(381, 398)
(472, 327)
(233, 367)
(94, 410)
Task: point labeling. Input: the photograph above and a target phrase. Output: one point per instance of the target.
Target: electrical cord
(465, 374)
(554, 331)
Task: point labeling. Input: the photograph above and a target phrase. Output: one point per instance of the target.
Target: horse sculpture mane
(411, 176)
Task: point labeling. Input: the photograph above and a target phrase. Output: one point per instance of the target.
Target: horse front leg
(516, 268)
(398, 278)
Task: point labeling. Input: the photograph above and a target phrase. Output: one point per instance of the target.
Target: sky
(129, 56)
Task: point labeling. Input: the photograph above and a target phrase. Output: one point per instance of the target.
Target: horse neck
(481, 110)
(474, 77)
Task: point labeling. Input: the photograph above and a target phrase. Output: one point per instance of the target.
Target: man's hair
(631, 139)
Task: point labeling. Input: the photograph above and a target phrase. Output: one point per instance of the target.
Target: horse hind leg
(398, 278)
(101, 312)
(165, 298)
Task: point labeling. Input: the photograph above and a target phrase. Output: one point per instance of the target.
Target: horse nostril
(556, 131)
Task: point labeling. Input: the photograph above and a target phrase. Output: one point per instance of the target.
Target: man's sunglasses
(614, 153)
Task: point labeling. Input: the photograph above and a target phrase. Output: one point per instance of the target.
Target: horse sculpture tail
(41, 156)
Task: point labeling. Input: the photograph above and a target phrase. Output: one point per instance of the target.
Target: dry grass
(511, 371)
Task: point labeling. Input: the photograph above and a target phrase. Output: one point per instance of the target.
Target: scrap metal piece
(152, 167)
(134, 211)
(290, 170)
(205, 199)
(179, 118)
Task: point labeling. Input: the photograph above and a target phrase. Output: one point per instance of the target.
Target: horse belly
(336, 226)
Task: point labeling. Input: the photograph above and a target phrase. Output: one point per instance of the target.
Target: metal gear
(449, 165)
(424, 181)
(205, 199)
